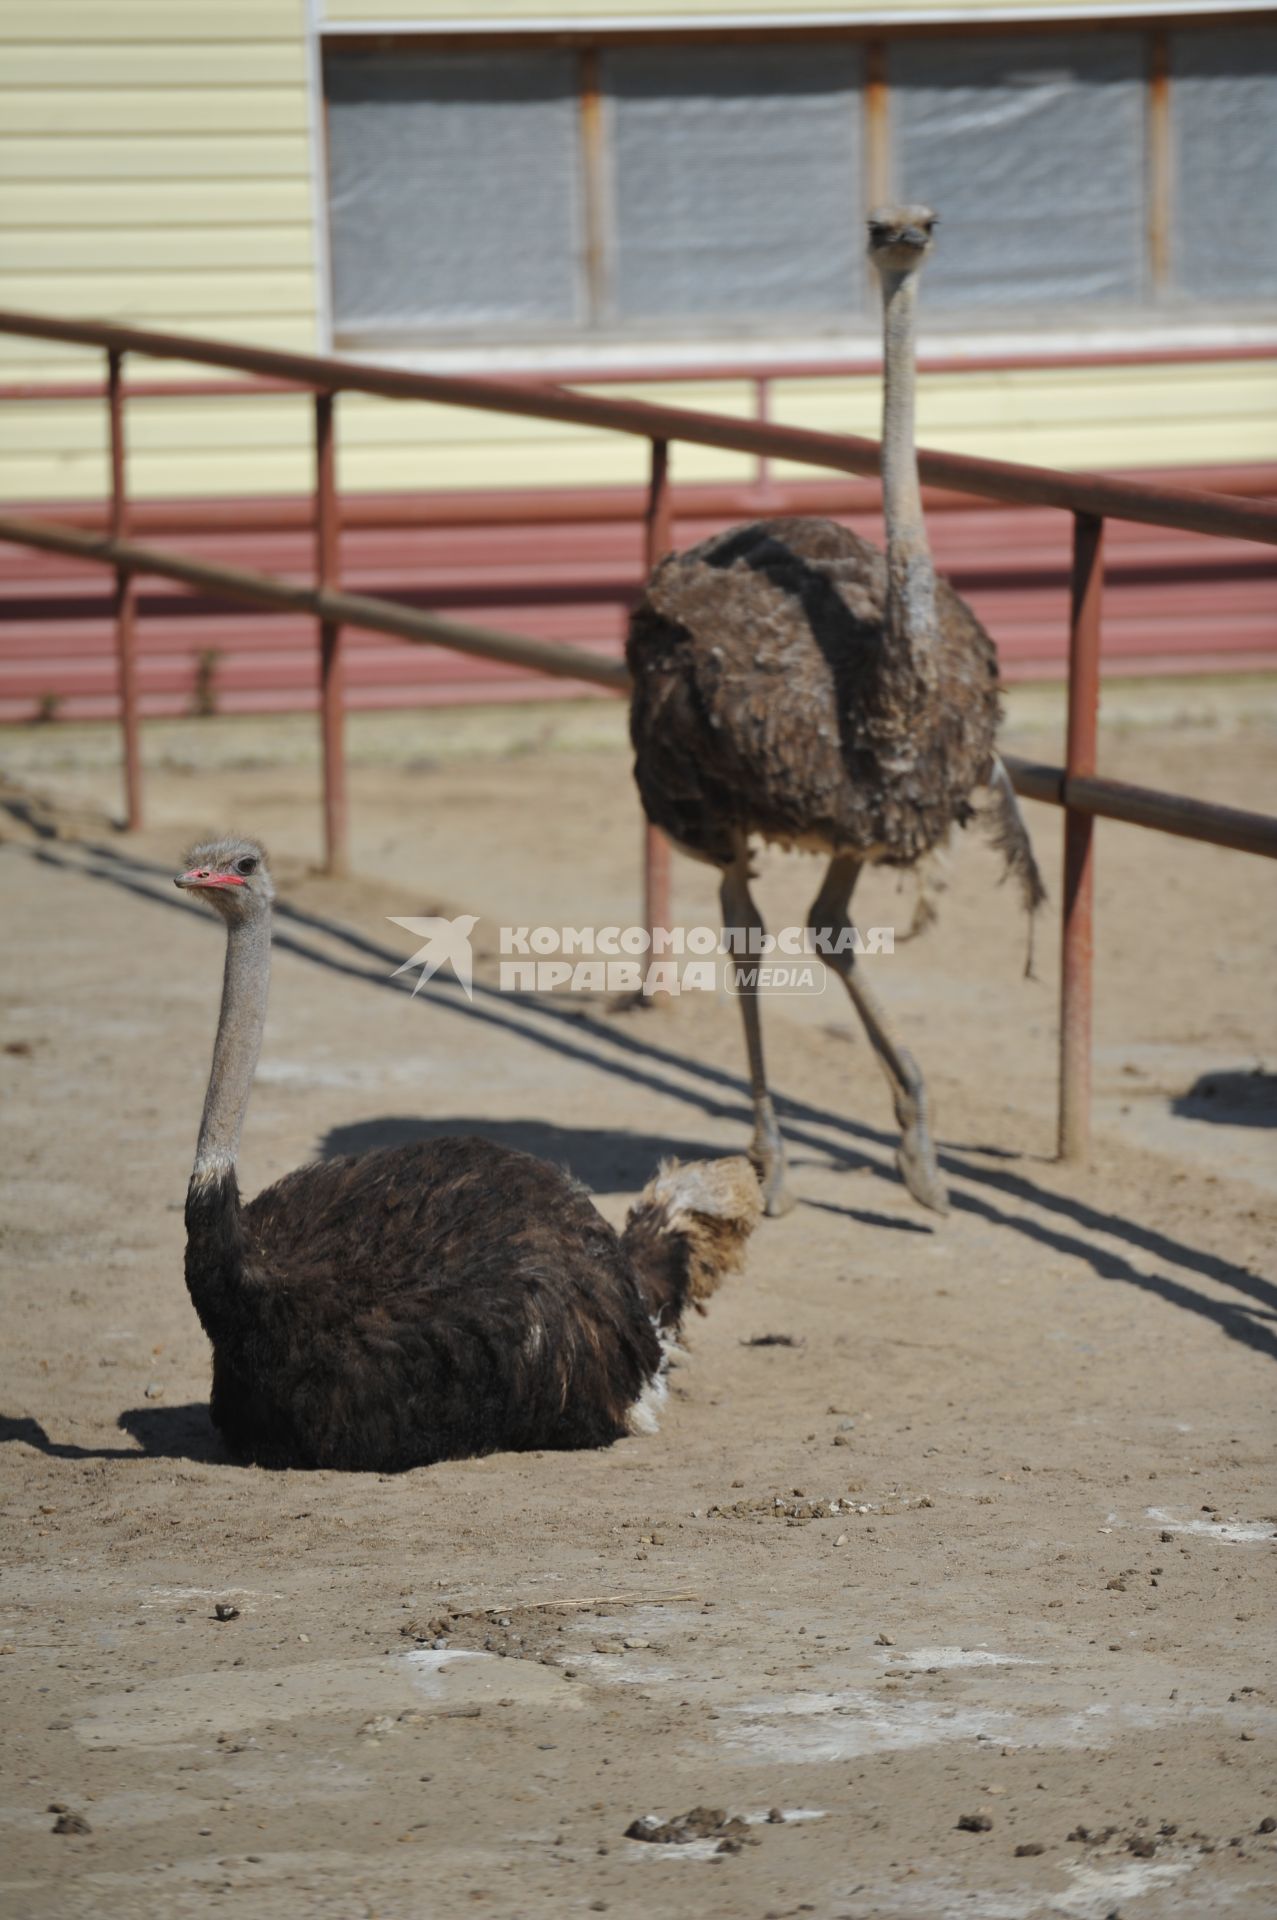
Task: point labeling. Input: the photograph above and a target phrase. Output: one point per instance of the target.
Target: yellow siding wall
(1154, 417)
(155, 168)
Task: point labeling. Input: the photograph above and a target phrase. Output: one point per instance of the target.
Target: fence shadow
(628, 1049)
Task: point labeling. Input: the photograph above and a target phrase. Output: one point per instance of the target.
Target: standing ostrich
(793, 683)
(427, 1302)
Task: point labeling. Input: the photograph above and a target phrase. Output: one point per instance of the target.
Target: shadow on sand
(605, 1160)
(1235, 1098)
(628, 1050)
(161, 1433)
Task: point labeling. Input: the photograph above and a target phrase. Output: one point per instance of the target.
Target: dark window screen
(1032, 149)
(736, 184)
(454, 191)
(1224, 187)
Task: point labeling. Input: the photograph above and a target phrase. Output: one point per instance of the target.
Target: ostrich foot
(777, 1199)
(767, 1156)
(916, 1162)
(916, 1155)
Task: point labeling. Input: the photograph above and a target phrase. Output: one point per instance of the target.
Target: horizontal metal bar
(1204, 820)
(696, 372)
(349, 609)
(1097, 494)
(248, 388)
(1110, 799)
(1034, 780)
(869, 364)
(555, 506)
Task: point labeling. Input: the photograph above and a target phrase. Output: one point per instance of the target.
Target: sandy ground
(987, 1539)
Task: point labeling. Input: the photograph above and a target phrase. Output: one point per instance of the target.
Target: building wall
(156, 168)
(1155, 417)
(468, 13)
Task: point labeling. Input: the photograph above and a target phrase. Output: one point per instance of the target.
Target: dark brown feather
(429, 1302)
(767, 701)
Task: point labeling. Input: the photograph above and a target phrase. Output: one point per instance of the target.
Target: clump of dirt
(798, 1507)
(701, 1823)
(68, 1822)
(532, 1632)
(438, 1627)
(484, 1630)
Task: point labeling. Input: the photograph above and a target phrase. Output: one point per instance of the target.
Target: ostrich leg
(915, 1156)
(767, 1151)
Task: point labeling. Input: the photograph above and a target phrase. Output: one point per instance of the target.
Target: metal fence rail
(1092, 493)
(327, 603)
(1090, 498)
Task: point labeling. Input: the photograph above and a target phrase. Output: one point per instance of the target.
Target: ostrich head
(900, 237)
(232, 876)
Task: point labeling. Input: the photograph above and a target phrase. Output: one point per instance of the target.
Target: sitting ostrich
(791, 682)
(433, 1301)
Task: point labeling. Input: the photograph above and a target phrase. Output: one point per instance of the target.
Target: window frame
(1159, 320)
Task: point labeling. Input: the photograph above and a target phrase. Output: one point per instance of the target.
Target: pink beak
(205, 877)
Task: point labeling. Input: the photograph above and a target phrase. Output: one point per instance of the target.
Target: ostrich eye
(246, 865)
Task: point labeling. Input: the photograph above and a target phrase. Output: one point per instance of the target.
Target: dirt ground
(967, 1576)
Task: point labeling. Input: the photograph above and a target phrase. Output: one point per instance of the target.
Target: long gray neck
(235, 1050)
(911, 574)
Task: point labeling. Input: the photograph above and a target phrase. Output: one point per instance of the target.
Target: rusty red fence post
(658, 541)
(763, 413)
(125, 599)
(1077, 950)
(331, 687)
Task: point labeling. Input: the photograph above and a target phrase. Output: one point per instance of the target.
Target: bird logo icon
(447, 945)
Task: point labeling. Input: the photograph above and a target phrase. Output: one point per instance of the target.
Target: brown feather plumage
(766, 700)
(428, 1302)
(424, 1302)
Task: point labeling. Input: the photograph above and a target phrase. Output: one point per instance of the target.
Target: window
(1033, 150)
(675, 191)
(454, 192)
(736, 185)
(1224, 179)
(725, 192)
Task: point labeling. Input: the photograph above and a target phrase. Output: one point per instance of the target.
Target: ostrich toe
(777, 1199)
(916, 1160)
(916, 1154)
(767, 1156)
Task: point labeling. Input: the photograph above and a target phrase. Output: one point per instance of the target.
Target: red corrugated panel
(1173, 602)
